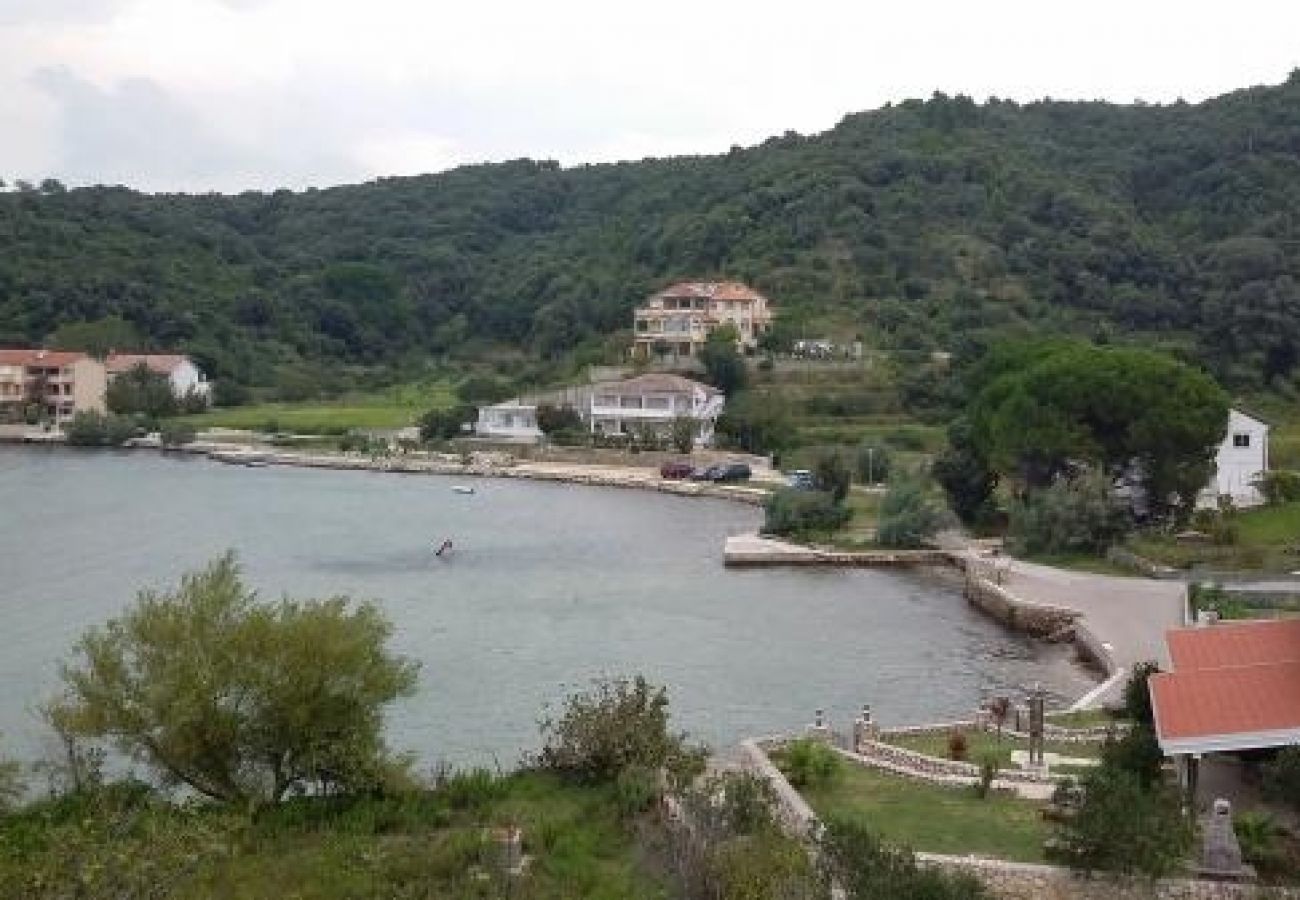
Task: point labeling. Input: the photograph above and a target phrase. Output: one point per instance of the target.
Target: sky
(231, 95)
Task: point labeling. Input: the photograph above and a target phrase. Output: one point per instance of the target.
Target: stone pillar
(1220, 852)
(819, 730)
(864, 729)
(1037, 712)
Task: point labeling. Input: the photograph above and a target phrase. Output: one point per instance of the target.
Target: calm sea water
(549, 586)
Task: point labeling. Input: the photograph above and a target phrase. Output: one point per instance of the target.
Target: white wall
(1237, 466)
(186, 377)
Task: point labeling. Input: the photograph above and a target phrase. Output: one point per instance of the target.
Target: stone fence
(1010, 880)
(1038, 619)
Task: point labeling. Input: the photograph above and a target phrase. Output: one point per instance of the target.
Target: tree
(683, 431)
(965, 476)
(617, 725)
(1137, 694)
(908, 516)
(724, 367)
(239, 700)
(92, 429)
(141, 390)
(1118, 408)
(445, 424)
(756, 423)
(790, 511)
(98, 337)
(1074, 515)
(1122, 826)
(552, 419)
(832, 473)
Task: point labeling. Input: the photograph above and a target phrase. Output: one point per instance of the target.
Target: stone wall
(1039, 619)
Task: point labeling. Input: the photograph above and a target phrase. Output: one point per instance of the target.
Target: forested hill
(926, 223)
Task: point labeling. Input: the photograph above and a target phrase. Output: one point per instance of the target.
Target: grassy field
(1268, 539)
(982, 743)
(933, 818)
(430, 845)
(1080, 562)
(393, 408)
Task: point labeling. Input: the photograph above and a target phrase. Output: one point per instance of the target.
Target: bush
(445, 424)
(791, 512)
(1279, 486)
(1136, 752)
(873, 464)
(1282, 777)
(810, 764)
(1259, 836)
(852, 856)
(832, 473)
(93, 429)
(1080, 515)
(1120, 826)
(552, 419)
(1137, 695)
(617, 725)
(908, 516)
(989, 766)
(472, 789)
(635, 790)
(177, 434)
(958, 745)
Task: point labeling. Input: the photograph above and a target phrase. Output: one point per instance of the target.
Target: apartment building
(62, 382)
(677, 320)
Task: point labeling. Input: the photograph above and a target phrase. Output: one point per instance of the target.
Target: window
(1241, 439)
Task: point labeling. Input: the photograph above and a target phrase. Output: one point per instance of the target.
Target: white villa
(612, 407)
(1241, 459)
(677, 320)
(184, 376)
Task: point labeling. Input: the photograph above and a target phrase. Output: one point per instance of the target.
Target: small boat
(463, 489)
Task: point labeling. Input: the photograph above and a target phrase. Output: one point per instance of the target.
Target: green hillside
(925, 225)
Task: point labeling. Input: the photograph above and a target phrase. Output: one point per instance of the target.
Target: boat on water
(463, 489)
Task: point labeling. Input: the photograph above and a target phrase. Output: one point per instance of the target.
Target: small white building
(1241, 460)
(513, 420)
(180, 370)
(612, 407)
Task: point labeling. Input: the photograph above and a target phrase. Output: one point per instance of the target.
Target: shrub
(684, 429)
(852, 856)
(635, 790)
(445, 424)
(177, 434)
(1080, 515)
(810, 764)
(1137, 695)
(1259, 834)
(989, 766)
(832, 473)
(790, 512)
(1120, 826)
(1282, 777)
(93, 429)
(552, 419)
(617, 725)
(1279, 486)
(958, 745)
(472, 789)
(1136, 752)
(908, 516)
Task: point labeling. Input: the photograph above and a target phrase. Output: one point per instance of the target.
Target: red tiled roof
(33, 357)
(162, 363)
(1233, 686)
(1234, 644)
(714, 290)
(1216, 703)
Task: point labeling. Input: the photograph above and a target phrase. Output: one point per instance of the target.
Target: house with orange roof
(59, 383)
(677, 320)
(186, 378)
(1232, 687)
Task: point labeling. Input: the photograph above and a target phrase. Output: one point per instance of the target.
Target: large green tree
(1130, 412)
(141, 390)
(238, 699)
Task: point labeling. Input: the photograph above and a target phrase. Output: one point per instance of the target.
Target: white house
(1241, 459)
(180, 370)
(612, 407)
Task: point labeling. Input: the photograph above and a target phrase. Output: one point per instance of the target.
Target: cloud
(137, 133)
(27, 12)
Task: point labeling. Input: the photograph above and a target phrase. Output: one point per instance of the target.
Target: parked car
(702, 473)
(801, 480)
(676, 469)
(730, 472)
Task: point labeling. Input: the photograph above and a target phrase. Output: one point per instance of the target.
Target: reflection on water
(548, 586)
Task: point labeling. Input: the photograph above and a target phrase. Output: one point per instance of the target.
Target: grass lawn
(1268, 539)
(1083, 718)
(393, 408)
(1080, 562)
(934, 818)
(428, 845)
(979, 743)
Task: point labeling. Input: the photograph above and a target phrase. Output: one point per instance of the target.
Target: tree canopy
(926, 225)
(238, 699)
(1128, 411)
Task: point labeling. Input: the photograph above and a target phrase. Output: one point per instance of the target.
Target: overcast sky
(235, 94)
